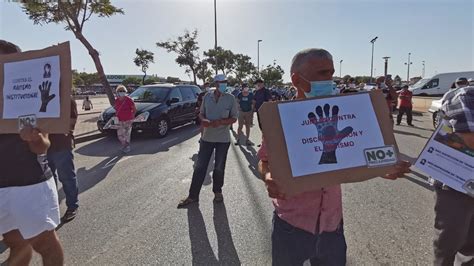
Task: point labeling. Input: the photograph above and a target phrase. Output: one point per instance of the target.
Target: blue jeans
(293, 246)
(204, 156)
(62, 166)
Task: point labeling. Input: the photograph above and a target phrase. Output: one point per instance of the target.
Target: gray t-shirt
(225, 107)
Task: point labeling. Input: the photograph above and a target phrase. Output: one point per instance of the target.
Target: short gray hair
(303, 56)
(121, 88)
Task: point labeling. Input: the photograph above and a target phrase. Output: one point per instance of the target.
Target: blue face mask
(321, 88)
(222, 87)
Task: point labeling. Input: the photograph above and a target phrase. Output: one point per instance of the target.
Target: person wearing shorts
(29, 207)
(246, 106)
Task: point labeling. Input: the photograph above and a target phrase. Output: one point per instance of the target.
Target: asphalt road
(128, 211)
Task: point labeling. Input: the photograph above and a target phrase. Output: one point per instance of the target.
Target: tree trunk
(98, 65)
(144, 76)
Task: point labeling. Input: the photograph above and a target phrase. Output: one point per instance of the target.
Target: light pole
(423, 72)
(215, 25)
(340, 68)
(258, 56)
(386, 65)
(372, 61)
(408, 69)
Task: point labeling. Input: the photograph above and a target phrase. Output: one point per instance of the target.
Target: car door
(189, 103)
(175, 112)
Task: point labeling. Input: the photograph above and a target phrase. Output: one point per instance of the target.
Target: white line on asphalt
(112, 163)
(168, 141)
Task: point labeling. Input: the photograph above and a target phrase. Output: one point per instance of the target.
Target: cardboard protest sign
(37, 84)
(448, 159)
(319, 142)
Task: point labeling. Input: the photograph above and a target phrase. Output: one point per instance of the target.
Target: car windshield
(420, 83)
(150, 94)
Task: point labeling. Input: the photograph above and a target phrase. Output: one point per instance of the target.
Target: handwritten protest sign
(36, 83)
(320, 142)
(448, 159)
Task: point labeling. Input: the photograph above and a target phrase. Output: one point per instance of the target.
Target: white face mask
(121, 94)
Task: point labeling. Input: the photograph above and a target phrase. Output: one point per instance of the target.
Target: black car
(160, 107)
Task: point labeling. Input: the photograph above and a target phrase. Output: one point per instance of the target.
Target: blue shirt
(245, 102)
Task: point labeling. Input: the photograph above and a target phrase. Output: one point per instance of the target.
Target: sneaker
(218, 197)
(126, 149)
(398, 124)
(69, 215)
(411, 125)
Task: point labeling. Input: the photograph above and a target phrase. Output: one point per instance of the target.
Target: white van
(438, 84)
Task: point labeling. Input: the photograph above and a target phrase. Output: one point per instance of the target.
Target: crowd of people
(308, 226)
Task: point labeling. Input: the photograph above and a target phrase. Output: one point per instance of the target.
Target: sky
(439, 32)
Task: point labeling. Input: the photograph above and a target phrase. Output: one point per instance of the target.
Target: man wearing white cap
(218, 111)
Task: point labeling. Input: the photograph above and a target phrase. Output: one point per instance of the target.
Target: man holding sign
(29, 208)
(454, 220)
(309, 226)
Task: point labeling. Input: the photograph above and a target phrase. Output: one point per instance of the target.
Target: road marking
(168, 141)
(112, 163)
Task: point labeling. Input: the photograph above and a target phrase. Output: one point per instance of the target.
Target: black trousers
(204, 156)
(454, 226)
(402, 111)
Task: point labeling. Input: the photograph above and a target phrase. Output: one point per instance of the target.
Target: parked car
(438, 84)
(435, 111)
(160, 107)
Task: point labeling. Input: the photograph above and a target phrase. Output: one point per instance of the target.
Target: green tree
(203, 71)
(172, 80)
(76, 79)
(243, 67)
(143, 60)
(221, 59)
(186, 47)
(89, 78)
(74, 14)
(346, 78)
(272, 74)
(131, 81)
(151, 80)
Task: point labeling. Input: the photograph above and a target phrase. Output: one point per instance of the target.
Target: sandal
(185, 202)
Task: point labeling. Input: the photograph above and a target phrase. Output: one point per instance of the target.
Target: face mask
(460, 86)
(121, 94)
(222, 87)
(320, 88)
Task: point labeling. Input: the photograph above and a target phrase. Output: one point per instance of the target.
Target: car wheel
(436, 120)
(163, 127)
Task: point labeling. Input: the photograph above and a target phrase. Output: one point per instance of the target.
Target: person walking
(218, 111)
(405, 105)
(61, 163)
(29, 207)
(125, 111)
(246, 107)
(261, 96)
(87, 104)
(454, 211)
(309, 226)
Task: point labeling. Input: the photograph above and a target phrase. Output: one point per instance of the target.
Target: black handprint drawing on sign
(328, 132)
(44, 89)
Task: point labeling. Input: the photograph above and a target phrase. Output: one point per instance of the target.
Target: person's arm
(38, 141)
(202, 113)
(74, 115)
(92, 106)
(133, 107)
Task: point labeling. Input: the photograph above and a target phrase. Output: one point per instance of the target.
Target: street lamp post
(408, 68)
(423, 72)
(258, 56)
(372, 61)
(215, 25)
(386, 65)
(340, 68)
